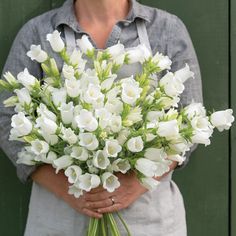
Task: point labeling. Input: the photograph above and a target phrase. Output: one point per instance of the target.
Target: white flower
(168, 129)
(92, 94)
(167, 102)
(67, 112)
(114, 106)
(88, 141)
(75, 191)
(28, 80)
(11, 101)
(135, 144)
(222, 120)
(42, 110)
(172, 86)
(123, 136)
(86, 120)
(39, 147)
(79, 153)
(68, 135)
(179, 145)
(100, 160)
(112, 148)
(104, 117)
(73, 88)
(21, 124)
(149, 183)
(47, 158)
(23, 96)
(133, 117)
(25, 157)
(110, 182)
(180, 159)
(184, 74)
(59, 96)
(146, 167)
(76, 57)
(88, 181)
(150, 137)
(91, 168)
(155, 154)
(138, 54)
(62, 162)
(163, 62)
(48, 126)
(89, 77)
(51, 139)
(55, 41)
(163, 166)
(195, 109)
(37, 54)
(121, 165)
(119, 60)
(159, 158)
(85, 45)
(107, 83)
(68, 71)
(10, 79)
(201, 123)
(112, 94)
(201, 137)
(73, 173)
(130, 93)
(116, 50)
(115, 123)
(154, 116)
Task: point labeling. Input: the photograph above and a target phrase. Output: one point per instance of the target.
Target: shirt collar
(66, 14)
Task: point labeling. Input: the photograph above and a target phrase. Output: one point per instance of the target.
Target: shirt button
(126, 23)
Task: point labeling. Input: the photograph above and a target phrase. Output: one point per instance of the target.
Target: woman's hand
(128, 192)
(58, 185)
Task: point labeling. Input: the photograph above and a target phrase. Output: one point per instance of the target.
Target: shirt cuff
(24, 172)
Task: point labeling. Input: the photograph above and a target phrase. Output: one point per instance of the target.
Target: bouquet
(85, 121)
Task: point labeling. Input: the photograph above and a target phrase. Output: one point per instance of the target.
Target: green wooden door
(205, 181)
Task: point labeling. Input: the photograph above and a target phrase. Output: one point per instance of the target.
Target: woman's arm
(58, 184)
(16, 62)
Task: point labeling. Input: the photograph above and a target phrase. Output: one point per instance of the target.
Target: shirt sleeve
(181, 51)
(16, 62)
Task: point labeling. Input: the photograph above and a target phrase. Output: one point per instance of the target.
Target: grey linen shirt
(167, 34)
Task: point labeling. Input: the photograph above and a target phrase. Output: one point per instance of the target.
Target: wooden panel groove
(204, 181)
(233, 105)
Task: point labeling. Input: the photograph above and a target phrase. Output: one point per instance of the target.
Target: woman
(52, 211)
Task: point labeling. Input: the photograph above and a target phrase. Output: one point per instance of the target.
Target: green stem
(124, 224)
(93, 227)
(113, 225)
(104, 226)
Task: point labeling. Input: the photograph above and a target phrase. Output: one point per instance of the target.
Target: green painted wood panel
(204, 182)
(14, 196)
(233, 105)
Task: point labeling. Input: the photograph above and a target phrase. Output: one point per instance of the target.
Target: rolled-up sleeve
(181, 51)
(16, 62)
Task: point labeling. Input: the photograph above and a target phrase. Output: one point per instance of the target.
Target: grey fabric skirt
(157, 213)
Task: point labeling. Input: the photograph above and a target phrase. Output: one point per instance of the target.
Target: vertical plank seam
(230, 140)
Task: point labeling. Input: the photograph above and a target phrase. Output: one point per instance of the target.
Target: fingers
(91, 213)
(96, 197)
(113, 208)
(99, 204)
(97, 190)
